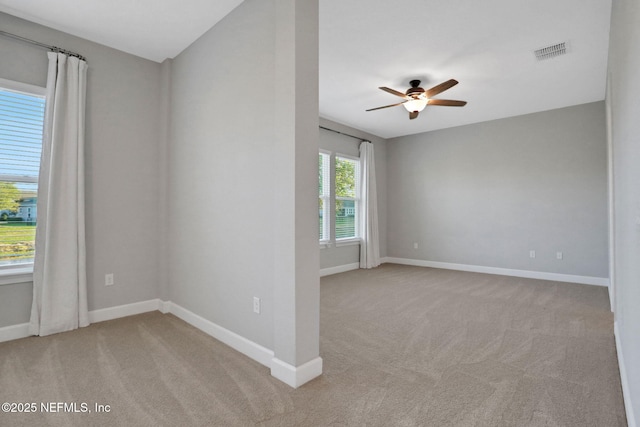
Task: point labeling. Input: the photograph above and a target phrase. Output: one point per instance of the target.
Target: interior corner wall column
(296, 297)
(163, 182)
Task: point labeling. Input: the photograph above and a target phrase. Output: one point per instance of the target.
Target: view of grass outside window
(347, 192)
(21, 129)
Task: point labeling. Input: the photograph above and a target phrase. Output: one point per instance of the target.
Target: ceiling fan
(416, 98)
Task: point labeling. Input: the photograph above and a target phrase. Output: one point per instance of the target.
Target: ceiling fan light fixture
(416, 98)
(415, 104)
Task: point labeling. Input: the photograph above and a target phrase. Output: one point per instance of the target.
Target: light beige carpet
(402, 346)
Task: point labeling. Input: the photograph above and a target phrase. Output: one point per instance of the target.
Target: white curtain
(370, 247)
(59, 276)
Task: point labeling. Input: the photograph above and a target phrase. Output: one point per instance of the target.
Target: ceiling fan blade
(413, 115)
(394, 92)
(386, 106)
(447, 102)
(441, 88)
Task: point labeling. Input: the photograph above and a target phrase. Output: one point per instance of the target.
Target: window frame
(19, 273)
(325, 238)
(330, 216)
(358, 197)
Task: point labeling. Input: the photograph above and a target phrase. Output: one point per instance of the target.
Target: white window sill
(348, 242)
(10, 276)
(339, 243)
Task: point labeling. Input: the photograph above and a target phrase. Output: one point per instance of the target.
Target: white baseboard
(296, 376)
(14, 332)
(21, 330)
(339, 269)
(165, 307)
(239, 343)
(288, 374)
(611, 296)
(626, 393)
(293, 376)
(557, 277)
(125, 310)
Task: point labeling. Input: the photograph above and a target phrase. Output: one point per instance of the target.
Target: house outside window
(339, 197)
(347, 196)
(21, 131)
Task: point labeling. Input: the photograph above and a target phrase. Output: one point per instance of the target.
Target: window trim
(348, 241)
(26, 88)
(332, 241)
(23, 274)
(345, 241)
(19, 273)
(326, 196)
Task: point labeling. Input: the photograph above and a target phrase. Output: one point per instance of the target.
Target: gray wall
(622, 97)
(123, 107)
(242, 180)
(220, 165)
(333, 256)
(192, 195)
(486, 194)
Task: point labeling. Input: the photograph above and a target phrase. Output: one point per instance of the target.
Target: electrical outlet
(532, 254)
(559, 255)
(256, 305)
(108, 279)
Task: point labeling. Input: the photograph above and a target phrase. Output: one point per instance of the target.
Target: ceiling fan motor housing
(415, 90)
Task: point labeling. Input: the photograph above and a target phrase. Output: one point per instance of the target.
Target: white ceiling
(151, 29)
(486, 45)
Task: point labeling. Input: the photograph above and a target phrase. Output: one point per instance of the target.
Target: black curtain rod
(46, 46)
(342, 133)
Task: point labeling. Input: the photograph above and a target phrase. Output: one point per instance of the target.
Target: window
(21, 129)
(339, 192)
(324, 190)
(347, 193)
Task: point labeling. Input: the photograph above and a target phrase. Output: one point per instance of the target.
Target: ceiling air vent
(551, 51)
